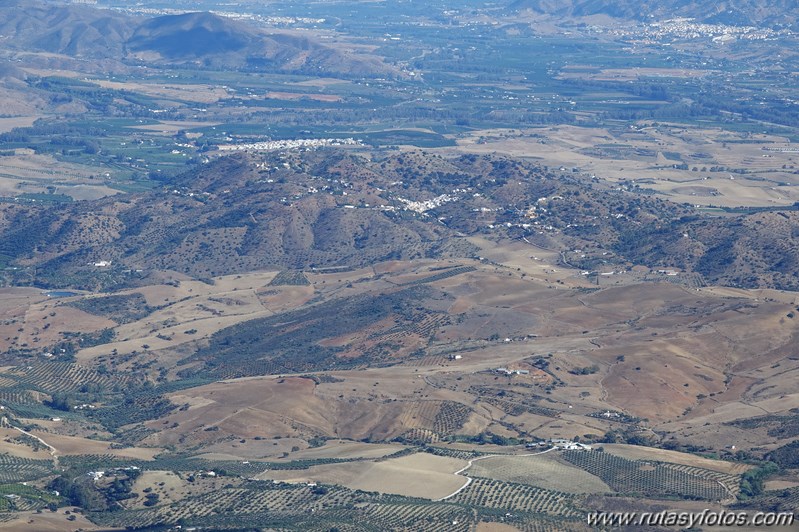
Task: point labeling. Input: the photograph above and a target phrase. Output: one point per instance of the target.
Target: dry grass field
(486, 526)
(647, 154)
(201, 309)
(170, 127)
(663, 353)
(674, 357)
(12, 442)
(27, 172)
(284, 450)
(29, 318)
(9, 123)
(49, 522)
(300, 96)
(626, 74)
(546, 471)
(365, 404)
(168, 485)
(347, 449)
(170, 92)
(417, 475)
(75, 446)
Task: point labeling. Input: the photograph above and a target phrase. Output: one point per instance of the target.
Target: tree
(61, 401)
(753, 481)
(151, 499)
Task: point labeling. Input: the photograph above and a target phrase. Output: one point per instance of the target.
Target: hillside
(732, 12)
(71, 30)
(213, 41)
(228, 218)
(191, 35)
(16, 96)
(225, 43)
(759, 250)
(335, 209)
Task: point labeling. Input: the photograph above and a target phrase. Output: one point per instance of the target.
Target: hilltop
(191, 35)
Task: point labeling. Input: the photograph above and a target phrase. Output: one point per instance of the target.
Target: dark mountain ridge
(191, 35)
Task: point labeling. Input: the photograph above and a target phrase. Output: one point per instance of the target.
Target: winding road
(473, 460)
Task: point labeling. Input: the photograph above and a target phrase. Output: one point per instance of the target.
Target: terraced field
(51, 377)
(312, 507)
(265, 504)
(17, 469)
(649, 478)
(511, 497)
(446, 274)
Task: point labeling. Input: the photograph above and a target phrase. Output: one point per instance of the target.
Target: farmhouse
(568, 445)
(507, 371)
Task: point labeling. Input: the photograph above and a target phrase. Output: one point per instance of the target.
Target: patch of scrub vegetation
(120, 308)
(283, 349)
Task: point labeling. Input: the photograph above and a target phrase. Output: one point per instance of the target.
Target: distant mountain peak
(191, 35)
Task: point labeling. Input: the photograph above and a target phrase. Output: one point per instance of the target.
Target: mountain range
(334, 209)
(733, 12)
(202, 38)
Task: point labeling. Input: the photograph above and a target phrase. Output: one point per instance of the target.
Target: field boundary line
(53, 450)
(473, 460)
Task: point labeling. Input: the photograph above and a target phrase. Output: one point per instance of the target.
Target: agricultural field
(347, 450)
(249, 501)
(43, 177)
(543, 327)
(47, 521)
(632, 452)
(547, 471)
(17, 469)
(418, 475)
(269, 505)
(649, 478)
(683, 162)
(489, 493)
